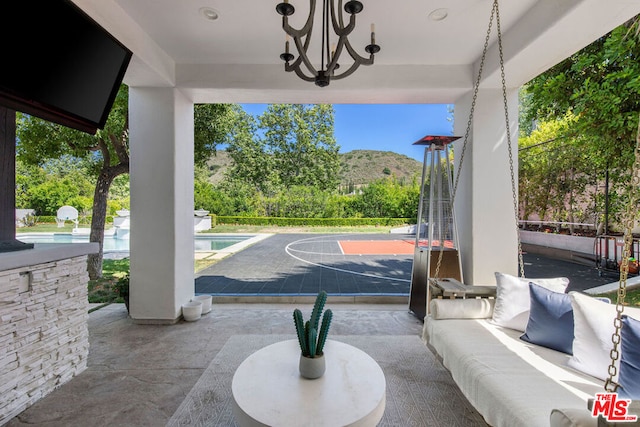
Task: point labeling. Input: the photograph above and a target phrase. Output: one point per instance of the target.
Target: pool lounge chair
(67, 213)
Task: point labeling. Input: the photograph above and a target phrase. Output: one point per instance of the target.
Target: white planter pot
(206, 302)
(192, 311)
(312, 367)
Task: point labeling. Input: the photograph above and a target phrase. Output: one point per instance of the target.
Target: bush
(326, 222)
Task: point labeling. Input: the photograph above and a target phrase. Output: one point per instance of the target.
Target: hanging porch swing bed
(535, 355)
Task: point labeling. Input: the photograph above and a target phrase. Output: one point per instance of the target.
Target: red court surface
(376, 247)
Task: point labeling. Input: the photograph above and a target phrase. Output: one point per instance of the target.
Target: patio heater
(436, 227)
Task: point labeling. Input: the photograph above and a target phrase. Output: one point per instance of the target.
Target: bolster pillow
(470, 308)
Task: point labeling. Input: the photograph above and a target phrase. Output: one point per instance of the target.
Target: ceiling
(236, 57)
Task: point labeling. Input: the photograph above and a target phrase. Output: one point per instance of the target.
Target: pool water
(201, 243)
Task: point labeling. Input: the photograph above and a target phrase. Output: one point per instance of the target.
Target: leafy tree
(252, 162)
(388, 197)
(213, 124)
(600, 87)
(27, 176)
(300, 139)
(107, 152)
(289, 145)
(557, 179)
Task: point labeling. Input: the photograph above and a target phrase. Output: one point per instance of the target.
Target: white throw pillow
(513, 302)
(592, 331)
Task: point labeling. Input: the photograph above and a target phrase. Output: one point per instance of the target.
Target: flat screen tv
(58, 63)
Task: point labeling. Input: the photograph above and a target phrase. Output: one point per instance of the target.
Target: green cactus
(317, 309)
(299, 322)
(311, 341)
(324, 330)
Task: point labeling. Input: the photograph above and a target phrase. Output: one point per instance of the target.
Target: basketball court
(304, 264)
(344, 265)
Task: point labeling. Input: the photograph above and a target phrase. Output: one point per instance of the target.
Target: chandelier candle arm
(329, 52)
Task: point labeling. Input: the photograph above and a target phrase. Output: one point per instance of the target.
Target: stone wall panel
(44, 340)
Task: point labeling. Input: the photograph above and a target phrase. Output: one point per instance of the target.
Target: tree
(557, 179)
(252, 162)
(107, 152)
(600, 87)
(300, 139)
(290, 145)
(213, 126)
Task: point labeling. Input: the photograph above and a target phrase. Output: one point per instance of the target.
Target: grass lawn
(632, 298)
(50, 228)
(223, 228)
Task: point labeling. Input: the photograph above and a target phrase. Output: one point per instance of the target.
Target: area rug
(420, 392)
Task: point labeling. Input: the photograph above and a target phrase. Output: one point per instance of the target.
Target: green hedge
(327, 222)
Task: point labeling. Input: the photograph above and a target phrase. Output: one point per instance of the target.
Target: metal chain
(610, 385)
(514, 192)
(467, 131)
(494, 11)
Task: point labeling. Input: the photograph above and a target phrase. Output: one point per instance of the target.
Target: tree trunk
(98, 219)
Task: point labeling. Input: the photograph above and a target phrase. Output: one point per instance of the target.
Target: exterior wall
(44, 339)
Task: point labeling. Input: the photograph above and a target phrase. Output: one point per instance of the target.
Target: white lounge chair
(67, 213)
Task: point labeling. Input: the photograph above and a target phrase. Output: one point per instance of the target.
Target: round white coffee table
(269, 391)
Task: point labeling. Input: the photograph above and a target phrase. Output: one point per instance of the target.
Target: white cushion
(593, 328)
(513, 302)
(468, 308)
(572, 417)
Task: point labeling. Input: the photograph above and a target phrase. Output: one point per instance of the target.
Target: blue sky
(384, 127)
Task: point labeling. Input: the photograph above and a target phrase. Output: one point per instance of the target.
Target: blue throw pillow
(629, 374)
(550, 320)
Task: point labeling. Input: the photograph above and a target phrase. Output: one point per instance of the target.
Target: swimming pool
(111, 244)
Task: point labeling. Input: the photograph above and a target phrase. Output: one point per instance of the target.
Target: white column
(484, 202)
(161, 175)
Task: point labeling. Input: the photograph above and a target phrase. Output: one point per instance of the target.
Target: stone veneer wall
(44, 339)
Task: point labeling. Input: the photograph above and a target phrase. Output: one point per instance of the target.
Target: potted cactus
(312, 336)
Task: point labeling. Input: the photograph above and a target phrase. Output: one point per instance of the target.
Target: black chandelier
(328, 55)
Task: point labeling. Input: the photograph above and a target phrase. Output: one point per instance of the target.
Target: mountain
(358, 166)
(364, 166)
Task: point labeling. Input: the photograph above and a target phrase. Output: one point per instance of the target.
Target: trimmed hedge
(327, 222)
(277, 221)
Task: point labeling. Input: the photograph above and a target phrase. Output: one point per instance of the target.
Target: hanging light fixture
(329, 53)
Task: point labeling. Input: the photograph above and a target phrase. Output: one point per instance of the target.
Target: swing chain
(514, 192)
(467, 131)
(610, 385)
(494, 11)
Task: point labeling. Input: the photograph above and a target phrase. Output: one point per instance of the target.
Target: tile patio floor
(138, 375)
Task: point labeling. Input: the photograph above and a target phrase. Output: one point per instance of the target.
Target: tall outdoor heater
(436, 232)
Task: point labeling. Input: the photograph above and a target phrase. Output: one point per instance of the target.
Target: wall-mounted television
(58, 63)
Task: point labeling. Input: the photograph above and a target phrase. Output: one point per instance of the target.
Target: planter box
(574, 248)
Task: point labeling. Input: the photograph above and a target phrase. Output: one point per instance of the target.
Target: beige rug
(420, 392)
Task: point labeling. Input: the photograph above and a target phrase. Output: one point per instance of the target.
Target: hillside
(358, 166)
(364, 166)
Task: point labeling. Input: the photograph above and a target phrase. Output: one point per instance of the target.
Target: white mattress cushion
(509, 381)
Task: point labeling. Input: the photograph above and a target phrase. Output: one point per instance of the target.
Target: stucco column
(484, 203)
(161, 176)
